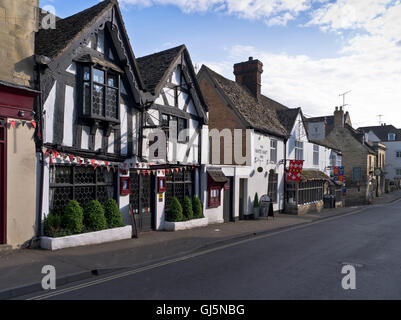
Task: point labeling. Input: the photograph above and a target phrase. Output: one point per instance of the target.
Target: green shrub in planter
(113, 215)
(256, 201)
(174, 213)
(197, 208)
(94, 218)
(73, 217)
(52, 224)
(187, 208)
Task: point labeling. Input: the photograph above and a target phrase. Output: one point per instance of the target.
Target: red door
(3, 181)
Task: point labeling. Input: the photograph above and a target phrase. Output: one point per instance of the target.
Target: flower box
(85, 239)
(185, 225)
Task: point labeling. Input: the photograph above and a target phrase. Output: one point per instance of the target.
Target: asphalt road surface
(298, 263)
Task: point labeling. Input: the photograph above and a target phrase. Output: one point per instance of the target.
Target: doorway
(3, 180)
(142, 200)
(228, 214)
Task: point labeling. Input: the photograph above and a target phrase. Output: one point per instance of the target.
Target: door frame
(229, 202)
(3, 183)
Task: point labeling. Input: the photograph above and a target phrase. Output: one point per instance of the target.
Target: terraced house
(253, 164)
(100, 106)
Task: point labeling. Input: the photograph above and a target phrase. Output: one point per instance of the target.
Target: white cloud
(280, 11)
(315, 84)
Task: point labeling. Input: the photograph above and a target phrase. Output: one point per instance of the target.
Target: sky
(312, 50)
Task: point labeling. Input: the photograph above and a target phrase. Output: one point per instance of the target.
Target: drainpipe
(41, 156)
(285, 181)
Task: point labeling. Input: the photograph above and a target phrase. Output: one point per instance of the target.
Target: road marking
(189, 256)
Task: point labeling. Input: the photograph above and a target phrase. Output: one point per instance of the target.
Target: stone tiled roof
(310, 174)
(154, 66)
(382, 132)
(52, 42)
(288, 117)
(259, 115)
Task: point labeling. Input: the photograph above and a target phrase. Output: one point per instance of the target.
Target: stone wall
(18, 23)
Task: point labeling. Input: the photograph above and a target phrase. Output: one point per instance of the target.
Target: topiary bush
(52, 226)
(174, 213)
(256, 201)
(94, 218)
(113, 215)
(73, 217)
(187, 209)
(197, 208)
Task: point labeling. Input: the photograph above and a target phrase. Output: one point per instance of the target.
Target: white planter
(185, 225)
(85, 239)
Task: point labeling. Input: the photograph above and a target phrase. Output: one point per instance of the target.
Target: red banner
(295, 170)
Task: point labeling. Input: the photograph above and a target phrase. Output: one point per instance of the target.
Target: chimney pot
(250, 58)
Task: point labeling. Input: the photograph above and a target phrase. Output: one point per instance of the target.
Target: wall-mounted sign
(161, 184)
(160, 197)
(125, 186)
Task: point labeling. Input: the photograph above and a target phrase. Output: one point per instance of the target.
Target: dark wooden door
(141, 200)
(228, 214)
(3, 180)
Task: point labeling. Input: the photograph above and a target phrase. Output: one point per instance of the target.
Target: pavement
(20, 270)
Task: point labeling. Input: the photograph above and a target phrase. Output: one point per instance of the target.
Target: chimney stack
(249, 74)
(339, 117)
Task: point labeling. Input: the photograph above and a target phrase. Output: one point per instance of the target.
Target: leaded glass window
(82, 184)
(101, 93)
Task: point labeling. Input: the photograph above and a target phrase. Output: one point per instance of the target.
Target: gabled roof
(288, 117)
(154, 67)
(52, 42)
(258, 115)
(382, 132)
(360, 136)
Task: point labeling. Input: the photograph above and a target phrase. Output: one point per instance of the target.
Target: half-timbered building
(91, 108)
(172, 134)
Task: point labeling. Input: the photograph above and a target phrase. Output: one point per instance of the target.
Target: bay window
(100, 93)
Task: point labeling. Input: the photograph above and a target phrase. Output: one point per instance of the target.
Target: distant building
(359, 156)
(391, 138)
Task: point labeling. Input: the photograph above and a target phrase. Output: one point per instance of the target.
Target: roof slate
(52, 42)
(382, 132)
(154, 66)
(259, 115)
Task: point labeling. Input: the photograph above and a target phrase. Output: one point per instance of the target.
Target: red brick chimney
(249, 74)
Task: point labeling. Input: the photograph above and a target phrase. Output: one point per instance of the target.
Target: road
(303, 262)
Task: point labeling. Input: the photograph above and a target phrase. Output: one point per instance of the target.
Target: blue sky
(312, 50)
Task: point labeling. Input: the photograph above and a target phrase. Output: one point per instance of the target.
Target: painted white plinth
(85, 239)
(185, 225)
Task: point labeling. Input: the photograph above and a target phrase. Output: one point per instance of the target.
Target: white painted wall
(124, 129)
(49, 107)
(69, 114)
(392, 162)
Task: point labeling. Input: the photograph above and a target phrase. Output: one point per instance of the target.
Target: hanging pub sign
(338, 173)
(295, 170)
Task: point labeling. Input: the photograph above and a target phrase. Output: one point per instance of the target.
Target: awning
(309, 175)
(217, 175)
